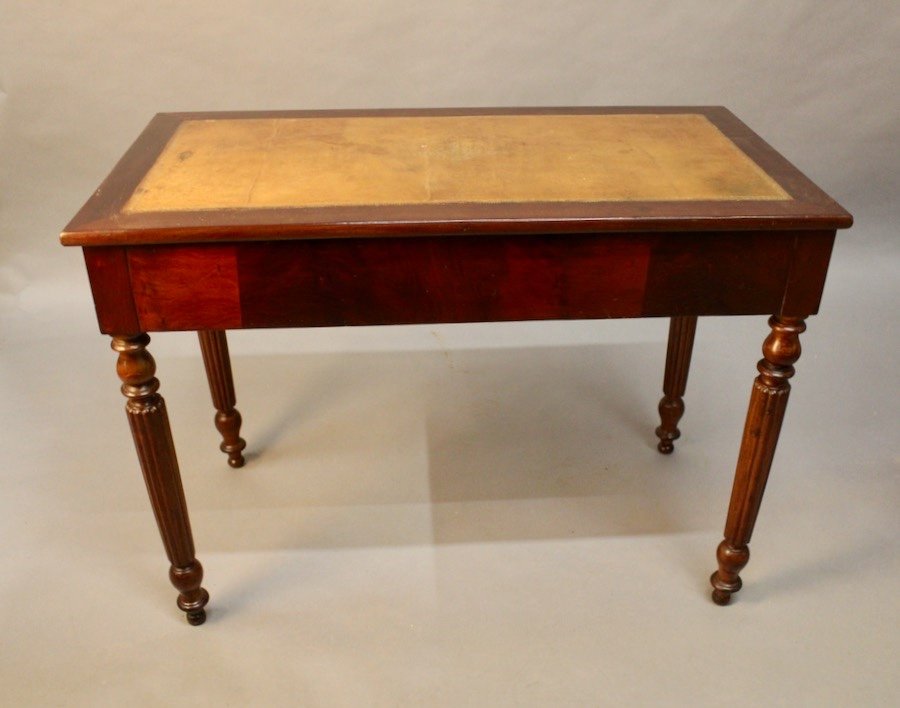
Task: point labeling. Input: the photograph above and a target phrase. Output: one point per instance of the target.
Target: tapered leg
(214, 346)
(153, 439)
(678, 362)
(768, 401)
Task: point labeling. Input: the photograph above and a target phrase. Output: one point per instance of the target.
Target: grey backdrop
(87, 616)
(79, 80)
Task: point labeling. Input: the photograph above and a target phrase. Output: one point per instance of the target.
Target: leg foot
(768, 401)
(666, 446)
(678, 363)
(727, 580)
(192, 598)
(196, 618)
(721, 597)
(217, 362)
(149, 423)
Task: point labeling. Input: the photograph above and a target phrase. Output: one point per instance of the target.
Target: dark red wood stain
(107, 268)
(185, 287)
(718, 274)
(222, 269)
(806, 277)
(335, 282)
(474, 279)
(101, 221)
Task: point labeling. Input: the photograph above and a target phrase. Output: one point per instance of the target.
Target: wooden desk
(216, 221)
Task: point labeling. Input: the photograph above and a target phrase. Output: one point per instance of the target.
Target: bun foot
(720, 597)
(234, 452)
(192, 598)
(196, 617)
(195, 612)
(668, 432)
(722, 590)
(229, 424)
(666, 444)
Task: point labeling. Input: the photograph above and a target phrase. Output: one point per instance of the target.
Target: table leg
(214, 347)
(768, 400)
(153, 439)
(678, 362)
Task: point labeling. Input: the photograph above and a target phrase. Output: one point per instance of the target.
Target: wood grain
(372, 281)
(152, 435)
(768, 402)
(107, 268)
(174, 289)
(585, 232)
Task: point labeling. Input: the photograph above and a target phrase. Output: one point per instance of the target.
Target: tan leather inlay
(341, 161)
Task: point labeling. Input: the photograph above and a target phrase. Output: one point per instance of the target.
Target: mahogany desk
(216, 221)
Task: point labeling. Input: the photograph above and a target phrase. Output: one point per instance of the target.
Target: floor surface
(453, 516)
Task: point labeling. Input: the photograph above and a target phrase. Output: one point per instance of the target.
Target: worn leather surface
(336, 161)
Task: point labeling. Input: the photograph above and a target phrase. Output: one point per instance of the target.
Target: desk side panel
(107, 268)
(186, 287)
(339, 282)
(470, 279)
(806, 277)
(741, 273)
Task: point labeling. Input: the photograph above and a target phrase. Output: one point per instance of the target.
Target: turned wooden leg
(768, 401)
(153, 439)
(214, 346)
(678, 362)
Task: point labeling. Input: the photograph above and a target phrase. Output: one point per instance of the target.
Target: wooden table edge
(100, 221)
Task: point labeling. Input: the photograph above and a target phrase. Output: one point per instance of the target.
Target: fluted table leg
(768, 401)
(678, 363)
(214, 347)
(153, 439)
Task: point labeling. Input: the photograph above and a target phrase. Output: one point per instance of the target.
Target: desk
(217, 221)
